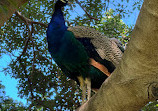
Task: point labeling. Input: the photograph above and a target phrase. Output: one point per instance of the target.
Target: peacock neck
(58, 20)
(57, 27)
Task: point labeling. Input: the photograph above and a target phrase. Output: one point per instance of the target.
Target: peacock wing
(97, 44)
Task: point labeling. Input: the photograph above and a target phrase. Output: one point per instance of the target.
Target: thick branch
(128, 86)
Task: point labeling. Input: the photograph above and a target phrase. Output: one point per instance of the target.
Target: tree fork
(134, 82)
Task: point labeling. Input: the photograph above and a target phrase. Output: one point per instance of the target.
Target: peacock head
(61, 3)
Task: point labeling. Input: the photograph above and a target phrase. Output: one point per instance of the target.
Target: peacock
(83, 54)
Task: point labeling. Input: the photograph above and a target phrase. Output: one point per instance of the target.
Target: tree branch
(33, 45)
(25, 47)
(29, 20)
(28, 77)
(27, 41)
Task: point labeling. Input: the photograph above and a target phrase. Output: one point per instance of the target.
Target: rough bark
(8, 7)
(135, 81)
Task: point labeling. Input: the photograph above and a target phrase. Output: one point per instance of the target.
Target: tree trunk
(8, 7)
(135, 81)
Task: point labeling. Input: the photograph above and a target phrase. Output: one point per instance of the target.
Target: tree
(8, 7)
(135, 82)
(42, 82)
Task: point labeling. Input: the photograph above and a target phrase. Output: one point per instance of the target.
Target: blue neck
(57, 21)
(58, 17)
(57, 26)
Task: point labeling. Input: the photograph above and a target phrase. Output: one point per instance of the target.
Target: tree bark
(8, 7)
(135, 81)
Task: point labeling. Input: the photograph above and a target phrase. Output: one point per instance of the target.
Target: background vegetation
(41, 81)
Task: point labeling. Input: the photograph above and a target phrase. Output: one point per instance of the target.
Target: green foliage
(152, 106)
(7, 103)
(113, 27)
(41, 81)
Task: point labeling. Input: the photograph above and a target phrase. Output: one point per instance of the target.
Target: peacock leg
(83, 88)
(88, 83)
(83, 93)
